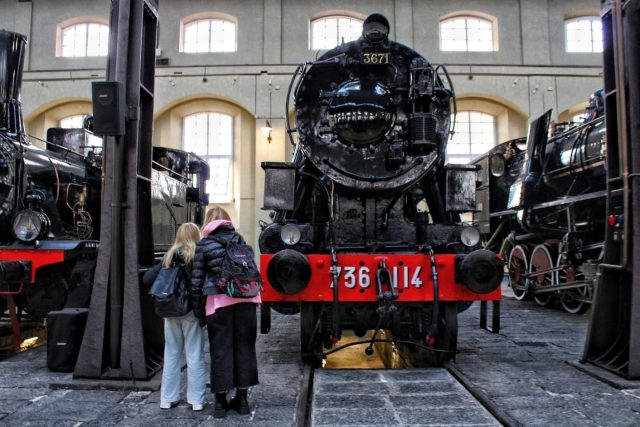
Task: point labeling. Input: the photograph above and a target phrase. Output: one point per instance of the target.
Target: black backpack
(170, 290)
(239, 275)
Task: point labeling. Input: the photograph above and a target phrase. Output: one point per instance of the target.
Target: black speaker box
(108, 108)
(65, 329)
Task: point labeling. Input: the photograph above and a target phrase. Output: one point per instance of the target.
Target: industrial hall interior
(223, 70)
(320, 213)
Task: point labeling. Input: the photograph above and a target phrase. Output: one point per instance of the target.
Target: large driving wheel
(572, 300)
(518, 268)
(541, 260)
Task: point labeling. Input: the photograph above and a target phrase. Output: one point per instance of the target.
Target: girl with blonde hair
(184, 333)
(231, 322)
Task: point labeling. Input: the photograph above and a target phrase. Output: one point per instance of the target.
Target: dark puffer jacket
(206, 266)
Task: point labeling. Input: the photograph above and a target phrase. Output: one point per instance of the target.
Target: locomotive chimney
(12, 47)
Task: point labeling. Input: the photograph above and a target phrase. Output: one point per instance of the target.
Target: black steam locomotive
(542, 204)
(50, 202)
(366, 232)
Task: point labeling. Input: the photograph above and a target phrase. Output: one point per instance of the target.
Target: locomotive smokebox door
(279, 185)
(461, 187)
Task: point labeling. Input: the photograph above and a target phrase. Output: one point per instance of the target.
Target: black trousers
(232, 340)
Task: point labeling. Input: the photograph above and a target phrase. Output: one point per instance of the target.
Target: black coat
(206, 266)
(150, 275)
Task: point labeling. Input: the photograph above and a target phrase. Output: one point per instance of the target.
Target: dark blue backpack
(239, 275)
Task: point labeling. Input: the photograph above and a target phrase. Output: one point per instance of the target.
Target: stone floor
(530, 369)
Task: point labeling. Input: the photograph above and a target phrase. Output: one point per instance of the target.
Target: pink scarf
(209, 228)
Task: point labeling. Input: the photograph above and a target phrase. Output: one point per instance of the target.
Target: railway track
(381, 393)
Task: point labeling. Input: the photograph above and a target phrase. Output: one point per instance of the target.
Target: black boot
(239, 402)
(221, 406)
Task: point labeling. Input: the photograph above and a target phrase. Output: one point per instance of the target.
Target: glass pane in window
(459, 160)
(218, 184)
(72, 122)
(68, 41)
(584, 35)
(475, 135)
(210, 135)
(466, 34)
(195, 133)
(203, 36)
(95, 40)
(330, 31)
(190, 38)
(220, 134)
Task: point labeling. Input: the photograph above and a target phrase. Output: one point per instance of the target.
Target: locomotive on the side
(542, 204)
(366, 232)
(50, 202)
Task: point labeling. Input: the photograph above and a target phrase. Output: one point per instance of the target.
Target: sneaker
(197, 407)
(164, 405)
(240, 405)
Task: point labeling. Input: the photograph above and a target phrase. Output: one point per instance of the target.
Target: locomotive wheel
(541, 259)
(310, 338)
(48, 294)
(569, 298)
(518, 267)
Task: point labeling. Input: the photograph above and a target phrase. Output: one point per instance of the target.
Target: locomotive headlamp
(290, 234)
(469, 236)
(29, 224)
(497, 165)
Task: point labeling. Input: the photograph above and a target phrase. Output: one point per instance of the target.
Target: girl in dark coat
(184, 333)
(231, 322)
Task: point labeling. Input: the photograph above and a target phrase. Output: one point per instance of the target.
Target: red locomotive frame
(411, 274)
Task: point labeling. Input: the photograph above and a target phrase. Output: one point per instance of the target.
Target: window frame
(74, 22)
(69, 118)
(213, 198)
(338, 14)
(469, 143)
(207, 16)
(591, 19)
(466, 15)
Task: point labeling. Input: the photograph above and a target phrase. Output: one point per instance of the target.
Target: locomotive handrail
(452, 129)
(299, 69)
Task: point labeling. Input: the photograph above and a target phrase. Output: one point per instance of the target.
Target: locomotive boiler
(50, 203)
(366, 232)
(542, 204)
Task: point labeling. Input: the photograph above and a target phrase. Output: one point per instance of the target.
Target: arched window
(329, 31)
(210, 135)
(209, 35)
(83, 39)
(72, 122)
(468, 33)
(475, 134)
(583, 34)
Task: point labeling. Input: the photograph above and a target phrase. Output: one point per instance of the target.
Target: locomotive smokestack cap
(12, 47)
(375, 28)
